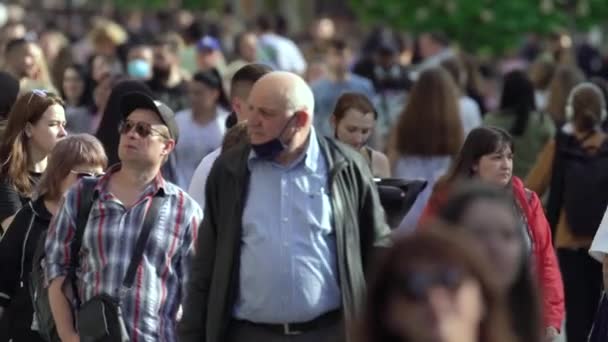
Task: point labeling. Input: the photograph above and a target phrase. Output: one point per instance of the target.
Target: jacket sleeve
(550, 277)
(539, 177)
(192, 327)
(11, 249)
(9, 200)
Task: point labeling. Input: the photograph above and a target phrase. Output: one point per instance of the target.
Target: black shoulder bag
(100, 318)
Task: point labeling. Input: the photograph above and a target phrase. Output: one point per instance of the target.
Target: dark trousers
(582, 277)
(244, 332)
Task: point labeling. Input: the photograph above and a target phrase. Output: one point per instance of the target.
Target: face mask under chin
(271, 149)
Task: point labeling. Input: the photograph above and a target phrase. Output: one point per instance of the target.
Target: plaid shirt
(150, 306)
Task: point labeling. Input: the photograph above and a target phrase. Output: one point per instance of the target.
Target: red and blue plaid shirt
(150, 306)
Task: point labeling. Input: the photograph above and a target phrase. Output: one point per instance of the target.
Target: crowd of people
(206, 184)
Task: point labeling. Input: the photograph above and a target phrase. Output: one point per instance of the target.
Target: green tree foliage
(483, 25)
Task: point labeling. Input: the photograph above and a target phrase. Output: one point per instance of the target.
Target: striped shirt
(150, 306)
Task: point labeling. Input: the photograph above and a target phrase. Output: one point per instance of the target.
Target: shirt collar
(158, 187)
(312, 152)
(310, 155)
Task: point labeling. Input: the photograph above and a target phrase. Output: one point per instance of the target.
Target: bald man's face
(280, 105)
(266, 117)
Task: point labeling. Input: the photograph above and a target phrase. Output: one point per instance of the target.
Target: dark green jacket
(358, 221)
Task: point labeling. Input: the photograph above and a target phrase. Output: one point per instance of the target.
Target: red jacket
(545, 262)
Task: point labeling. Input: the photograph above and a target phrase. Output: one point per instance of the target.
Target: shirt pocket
(317, 205)
(167, 237)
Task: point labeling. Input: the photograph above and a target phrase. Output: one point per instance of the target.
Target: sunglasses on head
(143, 129)
(38, 92)
(416, 285)
(82, 174)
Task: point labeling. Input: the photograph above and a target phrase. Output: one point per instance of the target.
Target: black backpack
(397, 197)
(38, 291)
(579, 184)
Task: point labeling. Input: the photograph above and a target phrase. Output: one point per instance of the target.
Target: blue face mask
(273, 147)
(139, 68)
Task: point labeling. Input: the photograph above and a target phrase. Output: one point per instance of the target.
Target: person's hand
(551, 334)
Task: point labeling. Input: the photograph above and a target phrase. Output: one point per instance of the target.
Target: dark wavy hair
(481, 141)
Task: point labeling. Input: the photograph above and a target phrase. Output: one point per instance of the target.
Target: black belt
(300, 328)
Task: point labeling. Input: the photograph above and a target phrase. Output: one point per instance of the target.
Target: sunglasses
(416, 285)
(38, 92)
(143, 129)
(83, 174)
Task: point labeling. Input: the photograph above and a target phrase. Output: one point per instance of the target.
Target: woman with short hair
(72, 158)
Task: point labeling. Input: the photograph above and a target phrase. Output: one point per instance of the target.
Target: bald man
(290, 221)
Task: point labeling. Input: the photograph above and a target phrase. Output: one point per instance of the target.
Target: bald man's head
(280, 105)
(287, 89)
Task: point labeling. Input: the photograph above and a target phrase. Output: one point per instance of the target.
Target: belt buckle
(288, 331)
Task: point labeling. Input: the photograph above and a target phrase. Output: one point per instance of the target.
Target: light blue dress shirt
(288, 270)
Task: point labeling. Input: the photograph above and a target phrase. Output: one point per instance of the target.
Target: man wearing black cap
(121, 201)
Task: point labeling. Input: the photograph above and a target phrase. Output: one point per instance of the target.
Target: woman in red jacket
(487, 155)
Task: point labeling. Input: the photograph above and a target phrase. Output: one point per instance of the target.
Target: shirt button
(285, 219)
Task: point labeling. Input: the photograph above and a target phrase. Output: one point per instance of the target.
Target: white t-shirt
(470, 115)
(199, 178)
(196, 141)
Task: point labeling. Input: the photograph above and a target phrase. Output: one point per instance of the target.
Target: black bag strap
(87, 197)
(142, 240)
